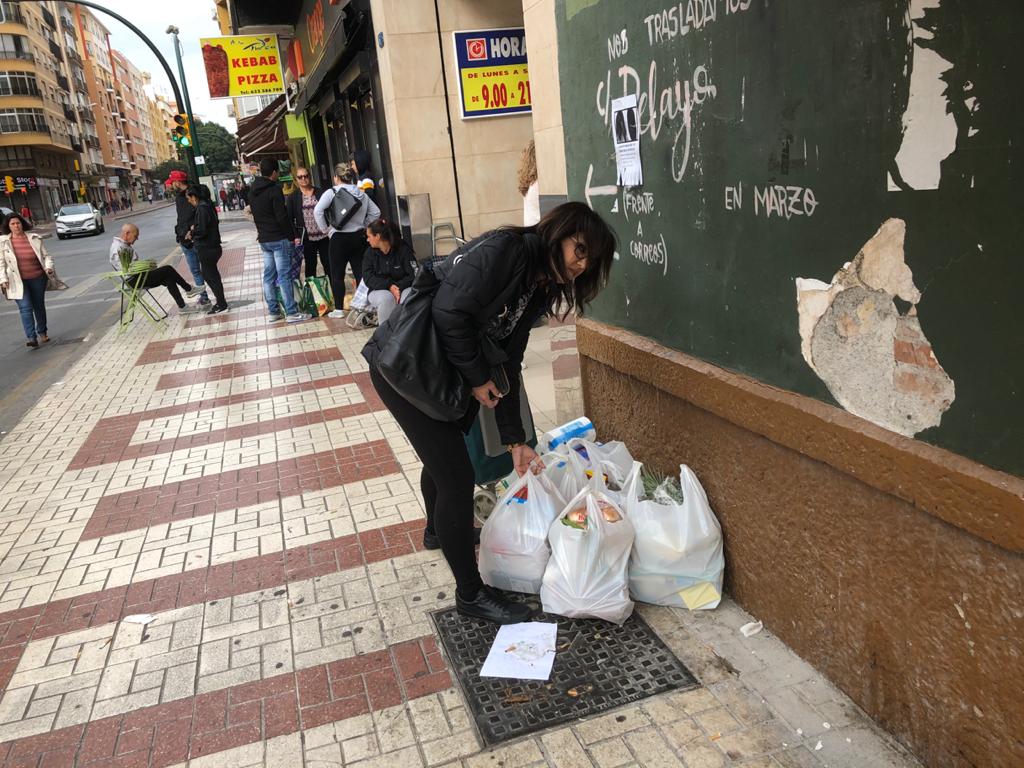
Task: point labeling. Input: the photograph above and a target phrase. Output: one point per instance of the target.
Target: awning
(264, 133)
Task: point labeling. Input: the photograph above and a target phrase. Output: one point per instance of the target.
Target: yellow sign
(242, 66)
(495, 90)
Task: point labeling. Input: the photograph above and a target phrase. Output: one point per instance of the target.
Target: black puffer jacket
(382, 270)
(206, 231)
(482, 281)
(269, 213)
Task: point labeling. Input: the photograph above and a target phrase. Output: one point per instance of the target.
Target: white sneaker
(298, 317)
(336, 313)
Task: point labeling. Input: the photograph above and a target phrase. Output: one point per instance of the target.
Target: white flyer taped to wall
(626, 131)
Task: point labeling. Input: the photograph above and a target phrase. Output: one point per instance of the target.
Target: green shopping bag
(296, 293)
(316, 296)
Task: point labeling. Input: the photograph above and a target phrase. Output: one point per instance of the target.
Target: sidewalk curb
(114, 217)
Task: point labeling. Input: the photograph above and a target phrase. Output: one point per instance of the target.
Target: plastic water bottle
(581, 427)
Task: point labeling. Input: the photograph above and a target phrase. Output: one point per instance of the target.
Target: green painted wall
(811, 95)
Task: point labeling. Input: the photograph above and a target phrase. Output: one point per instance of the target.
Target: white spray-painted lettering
(640, 205)
(734, 197)
(651, 253)
(679, 19)
(655, 105)
(618, 45)
(637, 203)
(784, 201)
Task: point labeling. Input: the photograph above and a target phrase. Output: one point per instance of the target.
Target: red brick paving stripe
(163, 351)
(236, 488)
(555, 345)
(110, 438)
(158, 736)
(233, 370)
(216, 582)
(230, 316)
(565, 367)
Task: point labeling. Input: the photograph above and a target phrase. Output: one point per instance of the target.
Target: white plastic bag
(678, 557)
(361, 298)
(613, 460)
(586, 576)
(514, 540)
(566, 472)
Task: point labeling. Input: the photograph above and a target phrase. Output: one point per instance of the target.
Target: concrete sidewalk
(241, 485)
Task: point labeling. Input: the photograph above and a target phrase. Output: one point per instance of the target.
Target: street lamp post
(194, 149)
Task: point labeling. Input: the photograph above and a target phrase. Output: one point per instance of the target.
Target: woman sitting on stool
(387, 267)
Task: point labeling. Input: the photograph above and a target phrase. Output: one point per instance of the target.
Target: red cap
(177, 176)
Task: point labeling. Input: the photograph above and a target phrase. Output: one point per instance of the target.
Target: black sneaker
(491, 606)
(216, 308)
(430, 540)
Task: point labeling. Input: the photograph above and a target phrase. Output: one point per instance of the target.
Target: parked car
(78, 219)
(4, 211)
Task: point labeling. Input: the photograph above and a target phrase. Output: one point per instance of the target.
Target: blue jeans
(277, 264)
(32, 306)
(192, 258)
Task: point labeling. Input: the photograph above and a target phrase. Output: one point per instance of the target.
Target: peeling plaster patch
(875, 361)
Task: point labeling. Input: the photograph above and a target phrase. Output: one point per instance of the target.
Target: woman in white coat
(24, 269)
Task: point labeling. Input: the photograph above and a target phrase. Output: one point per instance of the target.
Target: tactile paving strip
(598, 667)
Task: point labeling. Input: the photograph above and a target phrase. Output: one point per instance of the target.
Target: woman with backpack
(343, 212)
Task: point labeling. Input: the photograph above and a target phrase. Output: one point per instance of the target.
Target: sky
(194, 19)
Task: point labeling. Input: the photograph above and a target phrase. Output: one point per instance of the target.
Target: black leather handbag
(412, 359)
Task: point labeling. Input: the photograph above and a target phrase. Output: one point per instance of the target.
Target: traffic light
(9, 184)
(182, 133)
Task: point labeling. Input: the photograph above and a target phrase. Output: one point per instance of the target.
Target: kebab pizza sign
(242, 66)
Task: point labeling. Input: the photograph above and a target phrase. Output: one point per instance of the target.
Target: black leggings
(208, 259)
(346, 248)
(446, 481)
(169, 278)
(313, 248)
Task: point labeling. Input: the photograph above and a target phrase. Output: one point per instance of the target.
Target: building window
(18, 84)
(16, 156)
(19, 120)
(14, 47)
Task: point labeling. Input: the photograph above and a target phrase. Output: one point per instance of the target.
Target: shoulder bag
(343, 207)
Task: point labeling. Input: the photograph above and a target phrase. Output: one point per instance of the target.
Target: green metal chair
(129, 285)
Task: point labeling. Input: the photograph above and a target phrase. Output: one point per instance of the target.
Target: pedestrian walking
(348, 239)
(26, 214)
(276, 238)
(24, 269)
(150, 198)
(186, 218)
(301, 204)
(489, 296)
(223, 199)
(206, 237)
(387, 268)
(166, 276)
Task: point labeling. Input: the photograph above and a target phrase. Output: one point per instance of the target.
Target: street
(77, 317)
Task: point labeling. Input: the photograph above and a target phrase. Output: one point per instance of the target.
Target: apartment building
(161, 118)
(40, 134)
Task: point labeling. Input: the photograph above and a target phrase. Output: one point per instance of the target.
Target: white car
(78, 219)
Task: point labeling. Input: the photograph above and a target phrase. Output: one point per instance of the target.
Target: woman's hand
(525, 458)
(395, 292)
(487, 394)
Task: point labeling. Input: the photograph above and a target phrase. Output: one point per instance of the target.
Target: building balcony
(56, 50)
(11, 13)
(86, 115)
(19, 55)
(77, 145)
(73, 56)
(68, 23)
(69, 113)
(48, 17)
(62, 81)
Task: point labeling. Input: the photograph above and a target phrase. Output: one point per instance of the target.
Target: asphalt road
(78, 317)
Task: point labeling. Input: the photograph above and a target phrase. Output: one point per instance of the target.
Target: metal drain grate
(598, 667)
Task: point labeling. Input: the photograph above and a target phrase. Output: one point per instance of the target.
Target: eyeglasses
(302, 176)
(579, 250)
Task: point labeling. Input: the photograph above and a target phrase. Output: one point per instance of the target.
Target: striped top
(28, 262)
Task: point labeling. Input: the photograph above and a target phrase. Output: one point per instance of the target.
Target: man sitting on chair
(166, 276)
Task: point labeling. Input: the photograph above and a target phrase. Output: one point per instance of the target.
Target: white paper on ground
(139, 618)
(522, 651)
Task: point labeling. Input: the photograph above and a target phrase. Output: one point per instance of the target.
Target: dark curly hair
(5, 227)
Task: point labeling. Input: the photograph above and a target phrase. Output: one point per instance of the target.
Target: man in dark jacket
(276, 237)
(186, 218)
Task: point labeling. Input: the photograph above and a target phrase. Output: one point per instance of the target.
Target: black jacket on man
(269, 212)
(480, 283)
(186, 218)
(382, 270)
(293, 204)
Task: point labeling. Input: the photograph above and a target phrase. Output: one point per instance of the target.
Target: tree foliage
(161, 171)
(217, 146)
